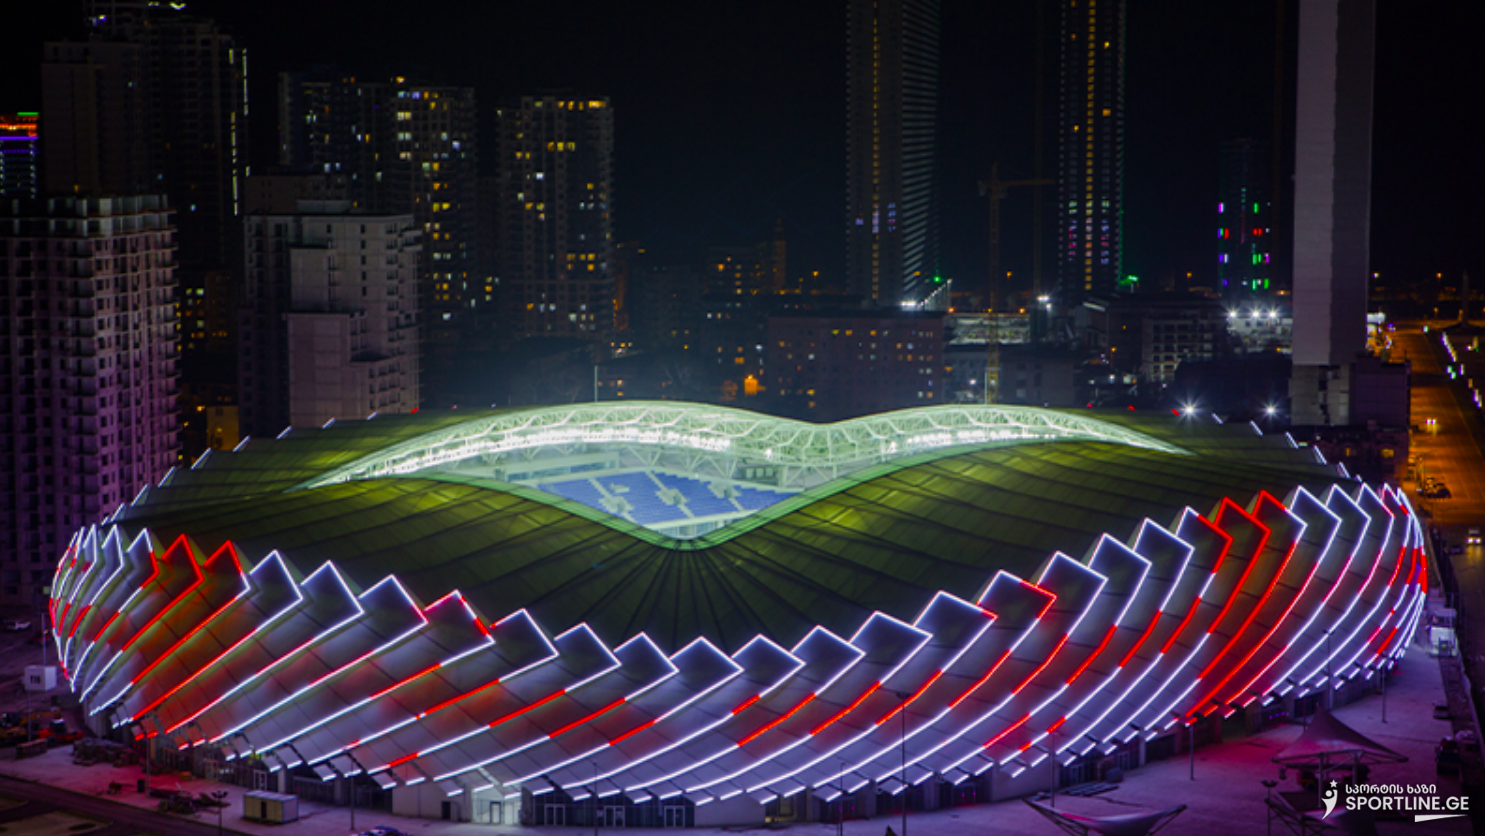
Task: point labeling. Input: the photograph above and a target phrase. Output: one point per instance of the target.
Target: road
(124, 819)
(1450, 454)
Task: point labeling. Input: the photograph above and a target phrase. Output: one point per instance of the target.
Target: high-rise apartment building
(155, 101)
(1090, 181)
(329, 317)
(164, 92)
(400, 147)
(749, 271)
(1244, 214)
(828, 366)
(891, 195)
(435, 135)
(88, 383)
(555, 217)
(96, 140)
(18, 155)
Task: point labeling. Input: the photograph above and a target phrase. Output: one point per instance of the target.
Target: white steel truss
(719, 439)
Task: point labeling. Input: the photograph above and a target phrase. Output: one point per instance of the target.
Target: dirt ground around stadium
(1225, 798)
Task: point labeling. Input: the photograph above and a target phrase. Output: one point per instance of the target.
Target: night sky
(730, 115)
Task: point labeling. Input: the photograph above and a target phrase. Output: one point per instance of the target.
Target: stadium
(669, 615)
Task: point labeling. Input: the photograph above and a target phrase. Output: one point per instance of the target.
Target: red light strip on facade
(749, 701)
(299, 599)
(227, 548)
(539, 703)
(913, 696)
(1141, 640)
(1107, 637)
(1237, 589)
(1196, 600)
(394, 686)
(493, 724)
(632, 732)
(190, 560)
(1287, 610)
(1251, 615)
(1181, 628)
(1390, 637)
(1012, 727)
(1043, 666)
(1413, 562)
(981, 681)
(446, 703)
(1260, 643)
(155, 573)
(575, 723)
(79, 620)
(106, 623)
(790, 713)
(1051, 599)
(1034, 588)
(847, 710)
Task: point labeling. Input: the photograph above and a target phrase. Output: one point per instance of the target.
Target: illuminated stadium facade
(706, 616)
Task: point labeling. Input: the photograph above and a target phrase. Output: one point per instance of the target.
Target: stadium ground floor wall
(873, 801)
(512, 805)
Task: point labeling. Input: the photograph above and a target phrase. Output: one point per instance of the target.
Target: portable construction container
(273, 807)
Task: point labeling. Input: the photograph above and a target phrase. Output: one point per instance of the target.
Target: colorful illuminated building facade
(891, 146)
(1090, 180)
(88, 379)
(1244, 238)
(18, 169)
(671, 614)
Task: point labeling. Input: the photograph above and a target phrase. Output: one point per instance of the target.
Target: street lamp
(1383, 673)
(219, 795)
(1056, 770)
(904, 696)
(1269, 784)
(840, 804)
(1190, 724)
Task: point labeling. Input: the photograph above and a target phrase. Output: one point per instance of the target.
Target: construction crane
(995, 189)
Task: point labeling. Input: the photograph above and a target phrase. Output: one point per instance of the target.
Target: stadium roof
(886, 536)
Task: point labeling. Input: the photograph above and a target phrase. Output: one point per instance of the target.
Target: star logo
(1329, 798)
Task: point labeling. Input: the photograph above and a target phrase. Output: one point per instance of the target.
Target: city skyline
(892, 205)
(571, 350)
(764, 91)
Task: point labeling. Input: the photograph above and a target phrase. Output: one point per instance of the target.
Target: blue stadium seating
(640, 491)
(699, 497)
(582, 490)
(751, 499)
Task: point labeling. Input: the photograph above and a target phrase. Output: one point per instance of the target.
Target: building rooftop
(867, 532)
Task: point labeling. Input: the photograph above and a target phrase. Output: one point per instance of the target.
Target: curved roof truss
(806, 454)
